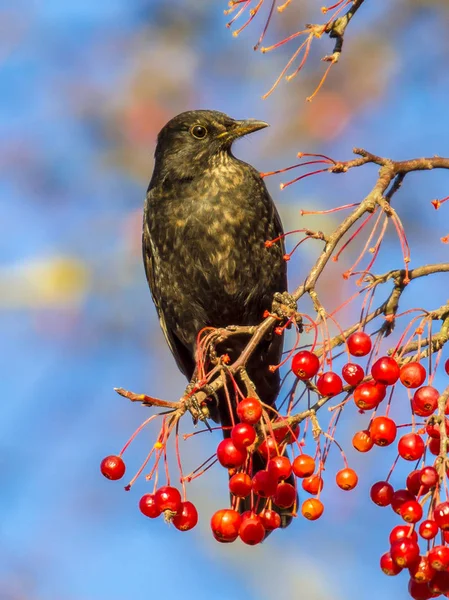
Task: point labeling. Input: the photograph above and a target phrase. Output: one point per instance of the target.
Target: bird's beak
(241, 128)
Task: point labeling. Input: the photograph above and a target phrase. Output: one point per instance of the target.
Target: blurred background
(86, 86)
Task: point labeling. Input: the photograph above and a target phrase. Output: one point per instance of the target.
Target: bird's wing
(181, 353)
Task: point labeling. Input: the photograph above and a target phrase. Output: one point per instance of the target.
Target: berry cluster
(264, 480)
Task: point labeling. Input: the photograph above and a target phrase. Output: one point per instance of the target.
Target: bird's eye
(199, 132)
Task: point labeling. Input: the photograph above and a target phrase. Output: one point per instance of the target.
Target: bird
(207, 216)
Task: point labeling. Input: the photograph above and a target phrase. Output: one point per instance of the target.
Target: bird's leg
(284, 307)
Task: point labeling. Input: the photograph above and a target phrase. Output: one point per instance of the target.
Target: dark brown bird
(207, 215)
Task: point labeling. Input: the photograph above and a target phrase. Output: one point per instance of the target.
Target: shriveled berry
(312, 509)
(362, 441)
(225, 525)
(305, 365)
(382, 493)
(385, 370)
(347, 479)
(359, 343)
(352, 373)
(411, 446)
(187, 517)
(303, 465)
(412, 375)
(251, 530)
(329, 384)
(249, 410)
(229, 455)
(149, 507)
(113, 467)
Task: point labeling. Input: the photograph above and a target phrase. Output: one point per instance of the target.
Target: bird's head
(191, 141)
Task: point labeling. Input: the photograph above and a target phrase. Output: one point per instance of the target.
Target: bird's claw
(284, 307)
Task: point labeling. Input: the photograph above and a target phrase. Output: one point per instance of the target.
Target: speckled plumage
(207, 215)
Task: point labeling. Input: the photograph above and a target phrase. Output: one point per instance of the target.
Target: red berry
(362, 441)
(352, 373)
(446, 366)
(388, 566)
(113, 467)
(429, 477)
(149, 507)
(428, 529)
(225, 525)
(411, 511)
(303, 465)
(263, 484)
(268, 448)
(385, 370)
(412, 375)
(168, 498)
(305, 365)
(279, 467)
(249, 410)
(439, 584)
(441, 515)
(251, 530)
(312, 509)
(382, 493)
(425, 400)
(347, 479)
(411, 446)
(419, 591)
(398, 499)
(359, 343)
(313, 484)
(439, 557)
(286, 434)
(229, 455)
(383, 431)
(329, 384)
(243, 435)
(414, 484)
(270, 519)
(368, 395)
(285, 495)
(404, 552)
(187, 517)
(433, 429)
(402, 531)
(422, 571)
(240, 485)
(434, 446)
